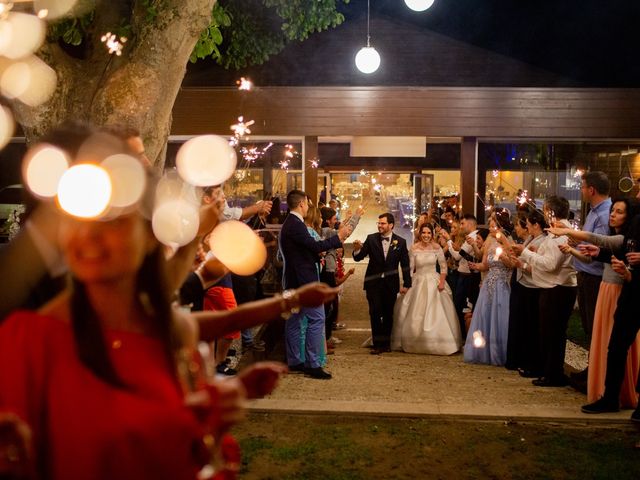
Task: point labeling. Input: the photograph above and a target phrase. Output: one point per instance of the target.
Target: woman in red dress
(95, 373)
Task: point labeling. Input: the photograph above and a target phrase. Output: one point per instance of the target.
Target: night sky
(592, 43)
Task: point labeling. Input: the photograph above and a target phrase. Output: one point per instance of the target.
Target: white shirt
(549, 266)
(463, 264)
(385, 244)
(524, 276)
(231, 213)
(297, 215)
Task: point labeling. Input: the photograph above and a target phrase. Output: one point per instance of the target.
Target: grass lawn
(278, 446)
(575, 332)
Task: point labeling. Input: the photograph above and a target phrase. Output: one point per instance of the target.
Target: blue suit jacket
(300, 252)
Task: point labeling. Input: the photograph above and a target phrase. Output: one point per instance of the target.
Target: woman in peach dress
(622, 211)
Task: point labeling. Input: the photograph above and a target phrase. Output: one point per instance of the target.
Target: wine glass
(632, 246)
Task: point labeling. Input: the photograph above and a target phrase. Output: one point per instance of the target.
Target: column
(310, 174)
(469, 174)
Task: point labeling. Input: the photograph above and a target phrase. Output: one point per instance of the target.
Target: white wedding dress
(425, 319)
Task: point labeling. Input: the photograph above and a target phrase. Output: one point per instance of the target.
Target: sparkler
(113, 43)
(478, 339)
(5, 8)
(241, 129)
(244, 84)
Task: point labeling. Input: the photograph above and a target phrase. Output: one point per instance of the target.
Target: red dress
(83, 427)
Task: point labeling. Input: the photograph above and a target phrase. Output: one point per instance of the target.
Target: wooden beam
(414, 111)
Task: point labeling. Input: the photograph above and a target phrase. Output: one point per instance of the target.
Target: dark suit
(300, 253)
(382, 282)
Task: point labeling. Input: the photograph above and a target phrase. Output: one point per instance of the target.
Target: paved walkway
(418, 385)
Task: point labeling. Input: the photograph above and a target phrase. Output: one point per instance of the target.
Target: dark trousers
(556, 305)
(588, 288)
(468, 287)
(514, 340)
(330, 308)
(381, 313)
(530, 358)
(626, 323)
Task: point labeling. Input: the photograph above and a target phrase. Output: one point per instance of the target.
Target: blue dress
(489, 330)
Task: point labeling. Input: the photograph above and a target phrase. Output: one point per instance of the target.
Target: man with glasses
(386, 251)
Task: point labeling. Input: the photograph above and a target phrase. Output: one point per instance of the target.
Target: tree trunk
(137, 89)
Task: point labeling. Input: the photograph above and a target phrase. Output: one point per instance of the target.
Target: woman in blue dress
(487, 339)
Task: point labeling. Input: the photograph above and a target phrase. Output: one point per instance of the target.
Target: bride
(425, 319)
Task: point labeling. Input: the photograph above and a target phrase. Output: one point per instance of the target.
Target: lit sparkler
(244, 84)
(5, 8)
(241, 129)
(478, 339)
(113, 43)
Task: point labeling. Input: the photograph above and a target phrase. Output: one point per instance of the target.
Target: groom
(382, 282)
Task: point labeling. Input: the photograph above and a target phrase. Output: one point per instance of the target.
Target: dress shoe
(602, 405)
(635, 416)
(318, 373)
(297, 368)
(523, 372)
(548, 382)
(379, 350)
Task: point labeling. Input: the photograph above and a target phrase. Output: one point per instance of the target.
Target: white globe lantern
(419, 5)
(367, 59)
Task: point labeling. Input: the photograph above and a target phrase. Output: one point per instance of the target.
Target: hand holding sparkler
(344, 231)
(517, 249)
(589, 250)
(558, 231)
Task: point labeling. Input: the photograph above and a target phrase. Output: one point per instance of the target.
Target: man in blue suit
(386, 251)
(301, 261)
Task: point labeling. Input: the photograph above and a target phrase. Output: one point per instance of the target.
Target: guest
(95, 371)
(328, 273)
(468, 285)
(300, 252)
(595, 191)
(490, 318)
(553, 272)
(521, 235)
(425, 318)
(623, 211)
(626, 321)
(457, 238)
(524, 336)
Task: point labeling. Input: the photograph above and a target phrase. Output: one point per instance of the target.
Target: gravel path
(400, 377)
